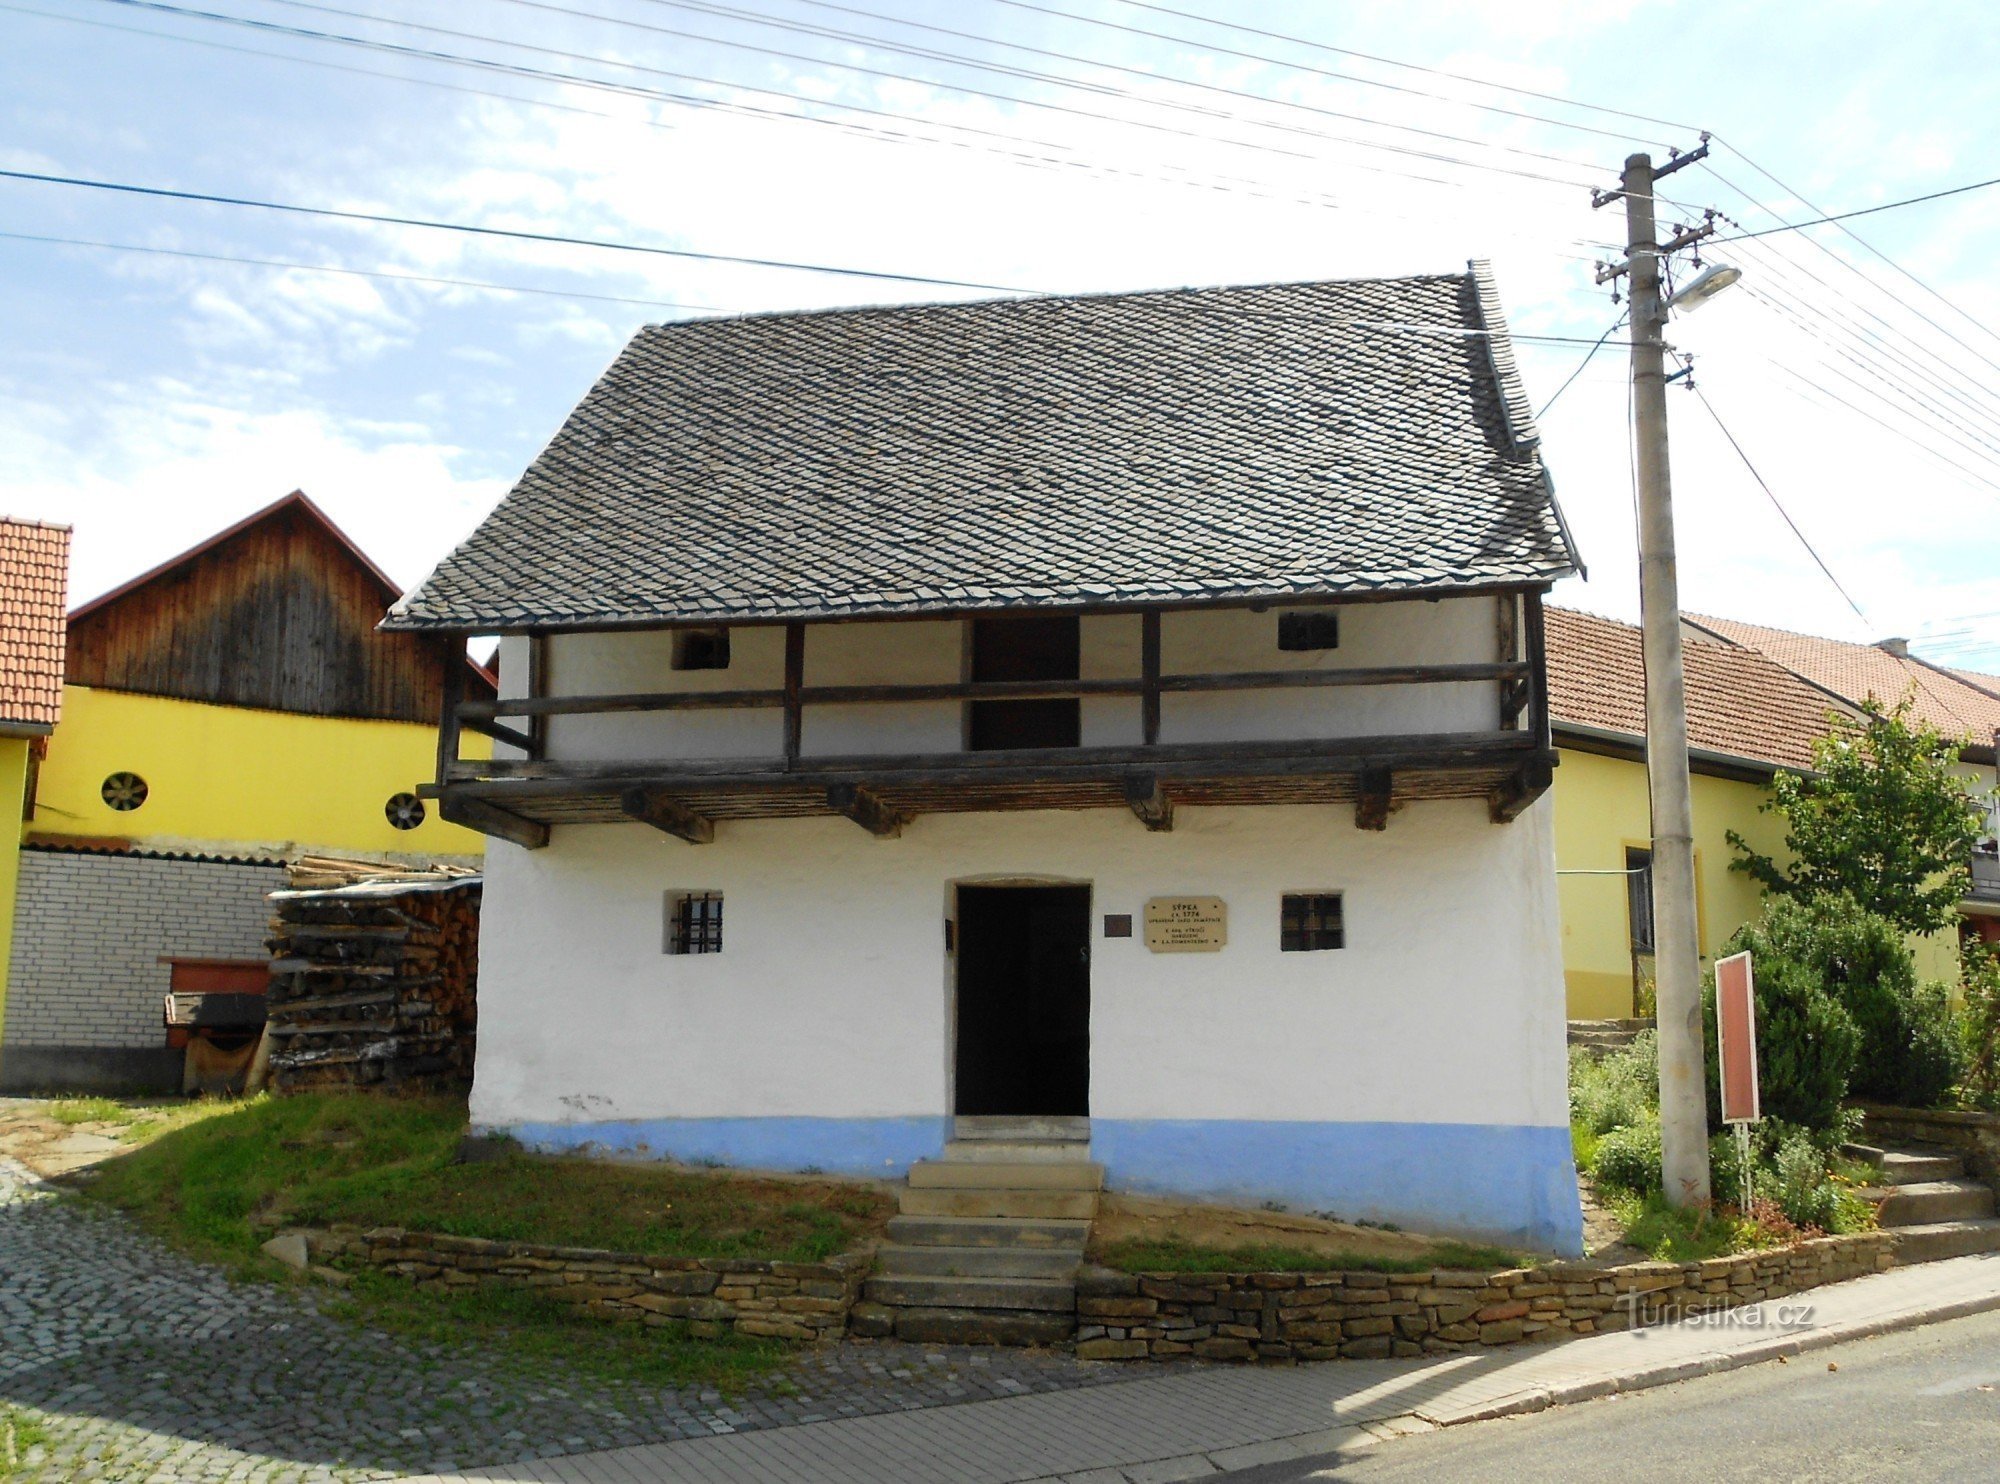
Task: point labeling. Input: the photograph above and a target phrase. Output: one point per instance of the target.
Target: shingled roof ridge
(1030, 296)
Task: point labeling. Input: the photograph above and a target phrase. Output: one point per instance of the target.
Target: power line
(423, 278)
(1863, 412)
(1845, 216)
(702, 7)
(1588, 356)
(1344, 76)
(512, 234)
(1776, 504)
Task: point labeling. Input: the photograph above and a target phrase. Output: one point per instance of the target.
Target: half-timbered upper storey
(1274, 544)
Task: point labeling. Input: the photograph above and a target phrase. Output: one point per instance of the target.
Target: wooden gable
(278, 612)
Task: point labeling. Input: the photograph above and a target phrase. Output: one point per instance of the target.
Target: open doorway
(1023, 1001)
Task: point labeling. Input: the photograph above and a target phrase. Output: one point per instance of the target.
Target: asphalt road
(1921, 1405)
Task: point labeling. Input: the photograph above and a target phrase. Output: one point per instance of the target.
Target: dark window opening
(694, 922)
(1310, 921)
(701, 649)
(1044, 647)
(1309, 630)
(1639, 898)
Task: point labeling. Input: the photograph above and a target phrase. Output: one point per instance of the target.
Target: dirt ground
(29, 1134)
(1123, 1218)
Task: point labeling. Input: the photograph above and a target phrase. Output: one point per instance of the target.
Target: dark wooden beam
(452, 684)
(667, 814)
(1149, 801)
(538, 685)
(1373, 799)
(1538, 669)
(795, 679)
(1149, 677)
(500, 732)
(865, 807)
(990, 690)
(491, 819)
(1512, 798)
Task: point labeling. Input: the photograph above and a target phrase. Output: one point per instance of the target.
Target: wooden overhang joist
(667, 814)
(1522, 787)
(490, 819)
(1374, 796)
(1149, 801)
(862, 805)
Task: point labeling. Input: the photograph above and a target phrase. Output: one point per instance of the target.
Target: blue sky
(149, 399)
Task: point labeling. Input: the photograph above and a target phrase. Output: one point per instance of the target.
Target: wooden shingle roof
(34, 583)
(1187, 446)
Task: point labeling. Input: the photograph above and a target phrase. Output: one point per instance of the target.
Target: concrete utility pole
(1676, 937)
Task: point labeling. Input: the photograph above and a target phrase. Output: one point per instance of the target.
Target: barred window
(1310, 921)
(694, 922)
(1312, 628)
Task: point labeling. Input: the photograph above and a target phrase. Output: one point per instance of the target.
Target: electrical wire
(383, 273)
(1588, 356)
(1349, 77)
(561, 239)
(1776, 504)
(1848, 216)
(1863, 412)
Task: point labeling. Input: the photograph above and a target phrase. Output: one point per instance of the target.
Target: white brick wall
(90, 930)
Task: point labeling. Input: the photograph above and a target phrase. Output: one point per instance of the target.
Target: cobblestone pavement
(139, 1364)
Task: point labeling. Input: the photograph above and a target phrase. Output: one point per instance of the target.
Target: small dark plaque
(1118, 924)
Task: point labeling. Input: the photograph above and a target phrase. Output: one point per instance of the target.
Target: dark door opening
(1024, 1000)
(1038, 647)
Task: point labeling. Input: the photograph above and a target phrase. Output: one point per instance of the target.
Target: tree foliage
(1884, 819)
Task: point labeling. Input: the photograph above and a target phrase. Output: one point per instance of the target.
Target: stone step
(1065, 1205)
(1941, 1239)
(1024, 1129)
(1017, 1151)
(986, 1174)
(989, 1231)
(935, 1291)
(1914, 1167)
(983, 1327)
(980, 1262)
(1923, 1202)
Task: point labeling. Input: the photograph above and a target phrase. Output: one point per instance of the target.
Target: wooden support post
(1538, 670)
(1376, 790)
(795, 679)
(491, 819)
(538, 686)
(1149, 662)
(865, 808)
(1514, 689)
(1149, 801)
(451, 685)
(667, 814)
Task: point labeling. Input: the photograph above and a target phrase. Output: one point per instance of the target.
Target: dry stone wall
(712, 1296)
(1319, 1316)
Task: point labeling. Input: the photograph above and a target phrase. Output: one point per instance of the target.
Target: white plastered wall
(831, 998)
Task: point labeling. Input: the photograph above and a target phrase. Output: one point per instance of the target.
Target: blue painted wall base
(1509, 1184)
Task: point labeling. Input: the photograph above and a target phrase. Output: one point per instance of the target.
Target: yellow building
(1754, 708)
(228, 711)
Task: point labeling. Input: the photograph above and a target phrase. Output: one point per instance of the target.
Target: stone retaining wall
(713, 1296)
(1318, 1316)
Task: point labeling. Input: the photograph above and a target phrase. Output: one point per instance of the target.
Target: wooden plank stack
(374, 985)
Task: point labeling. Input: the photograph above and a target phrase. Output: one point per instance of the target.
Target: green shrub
(1628, 1158)
(1791, 1176)
(1615, 1091)
(1807, 1044)
(1979, 1027)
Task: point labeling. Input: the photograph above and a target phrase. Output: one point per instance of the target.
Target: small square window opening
(701, 649)
(694, 922)
(1310, 921)
(1310, 629)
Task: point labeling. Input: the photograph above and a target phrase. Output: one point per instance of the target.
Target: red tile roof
(34, 582)
(1857, 672)
(1739, 703)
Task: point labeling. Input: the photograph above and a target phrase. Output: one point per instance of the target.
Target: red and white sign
(1736, 1033)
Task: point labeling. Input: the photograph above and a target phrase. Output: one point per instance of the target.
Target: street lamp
(1704, 286)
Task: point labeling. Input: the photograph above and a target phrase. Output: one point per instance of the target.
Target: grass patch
(217, 1183)
(1170, 1256)
(524, 1326)
(18, 1433)
(1583, 1141)
(1674, 1234)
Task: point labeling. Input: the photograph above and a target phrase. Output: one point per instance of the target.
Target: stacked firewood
(375, 985)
